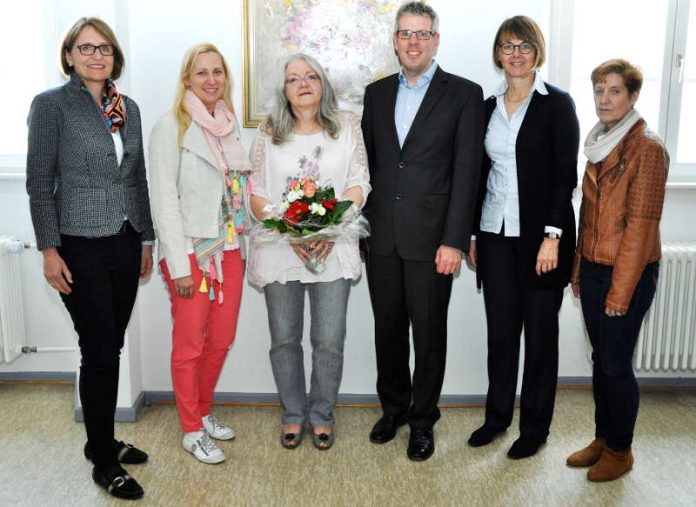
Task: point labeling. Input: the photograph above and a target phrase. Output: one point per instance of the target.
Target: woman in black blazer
(525, 234)
(91, 215)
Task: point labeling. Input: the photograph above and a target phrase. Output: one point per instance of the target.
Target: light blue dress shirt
(502, 202)
(408, 100)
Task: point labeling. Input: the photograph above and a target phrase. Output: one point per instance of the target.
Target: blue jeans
(614, 339)
(328, 305)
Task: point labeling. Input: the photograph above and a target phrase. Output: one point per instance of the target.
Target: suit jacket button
(401, 165)
(398, 197)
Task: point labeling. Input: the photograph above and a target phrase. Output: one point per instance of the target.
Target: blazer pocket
(85, 207)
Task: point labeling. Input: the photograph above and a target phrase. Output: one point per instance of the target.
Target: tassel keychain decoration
(211, 295)
(230, 232)
(203, 287)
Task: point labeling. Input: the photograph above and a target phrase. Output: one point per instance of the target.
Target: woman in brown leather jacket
(617, 260)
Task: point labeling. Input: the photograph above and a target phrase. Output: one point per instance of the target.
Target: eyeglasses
(525, 48)
(295, 80)
(90, 49)
(420, 34)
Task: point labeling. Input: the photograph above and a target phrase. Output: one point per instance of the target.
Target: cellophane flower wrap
(309, 212)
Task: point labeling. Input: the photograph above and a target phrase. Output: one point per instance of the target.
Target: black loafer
(384, 430)
(421, 444)
(120, 485)
(125, 453)
(525, 447)
(483, 436)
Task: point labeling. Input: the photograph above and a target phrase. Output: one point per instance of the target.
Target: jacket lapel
(432, 97)
(195, 142)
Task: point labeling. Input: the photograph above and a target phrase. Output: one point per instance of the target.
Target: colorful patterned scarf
(112, 105)
(217, 127)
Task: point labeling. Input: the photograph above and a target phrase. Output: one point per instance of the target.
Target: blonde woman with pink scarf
(199, 182)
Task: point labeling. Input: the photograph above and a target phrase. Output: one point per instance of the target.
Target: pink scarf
(215, 128)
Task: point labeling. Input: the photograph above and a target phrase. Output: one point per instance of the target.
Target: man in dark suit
(423, 132)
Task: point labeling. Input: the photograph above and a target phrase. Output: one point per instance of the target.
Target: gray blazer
(75, 184)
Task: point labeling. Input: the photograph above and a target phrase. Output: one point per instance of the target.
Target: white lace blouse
(340, 162)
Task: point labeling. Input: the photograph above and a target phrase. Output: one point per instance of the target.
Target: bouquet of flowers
(308, 213)
(307, 208)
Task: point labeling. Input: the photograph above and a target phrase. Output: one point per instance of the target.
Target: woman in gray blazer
(91, 214)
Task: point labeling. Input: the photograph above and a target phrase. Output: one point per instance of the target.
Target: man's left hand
(448, 260)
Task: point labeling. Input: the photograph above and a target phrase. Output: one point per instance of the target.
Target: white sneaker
(199, 444)
(217, 430)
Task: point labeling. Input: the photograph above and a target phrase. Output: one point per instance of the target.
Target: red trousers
(202, 335)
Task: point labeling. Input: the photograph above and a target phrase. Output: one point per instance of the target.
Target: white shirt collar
(538, 85)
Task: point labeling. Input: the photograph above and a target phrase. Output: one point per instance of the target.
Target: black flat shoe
(385, 429)
(421, 444)
(125, 453)
(483, 436)
(525, 447)
(120, 485)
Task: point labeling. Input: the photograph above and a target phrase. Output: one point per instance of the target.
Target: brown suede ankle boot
(611, 465)
(589, 455)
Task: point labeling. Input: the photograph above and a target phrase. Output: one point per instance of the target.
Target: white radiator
(12, 332)
(667, 340)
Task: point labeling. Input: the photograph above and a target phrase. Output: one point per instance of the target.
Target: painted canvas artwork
(351, 39)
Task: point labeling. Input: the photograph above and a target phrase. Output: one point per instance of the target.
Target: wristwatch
(552, 235)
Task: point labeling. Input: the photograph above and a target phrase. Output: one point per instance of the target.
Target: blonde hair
(106, 32)
(182, 115)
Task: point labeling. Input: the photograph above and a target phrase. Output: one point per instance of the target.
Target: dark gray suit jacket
(75, 184)
(423, 195)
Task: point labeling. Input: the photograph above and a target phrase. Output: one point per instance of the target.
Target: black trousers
(613, 341)
(105, 282)
(511, 306)
(407, 293)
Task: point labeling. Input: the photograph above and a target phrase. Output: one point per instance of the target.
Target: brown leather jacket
(621, 209)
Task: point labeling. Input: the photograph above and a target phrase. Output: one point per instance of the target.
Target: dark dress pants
(105, 275)
(512, 306)
(613, 341)
(407, 293)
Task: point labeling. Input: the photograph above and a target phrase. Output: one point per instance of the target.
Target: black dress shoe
(421, 444)
(483, 436)
(118, 483)
(125, 453)
(524, 447)
(384, 430)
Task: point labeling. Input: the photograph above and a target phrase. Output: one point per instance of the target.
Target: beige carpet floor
(41, 462)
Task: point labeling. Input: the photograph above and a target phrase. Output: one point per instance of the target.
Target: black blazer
(423, 195)
(547, 172)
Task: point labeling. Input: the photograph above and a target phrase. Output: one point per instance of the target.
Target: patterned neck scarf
(112, 106)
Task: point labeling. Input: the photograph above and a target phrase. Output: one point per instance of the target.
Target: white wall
(155, 35)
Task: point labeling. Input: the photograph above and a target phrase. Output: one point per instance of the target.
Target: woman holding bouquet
(525, 234)
(198, 172)
(306, 138)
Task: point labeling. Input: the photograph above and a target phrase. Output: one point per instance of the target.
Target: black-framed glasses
(420, 34)
(90, 49)
(509, 48)
(309, 78)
